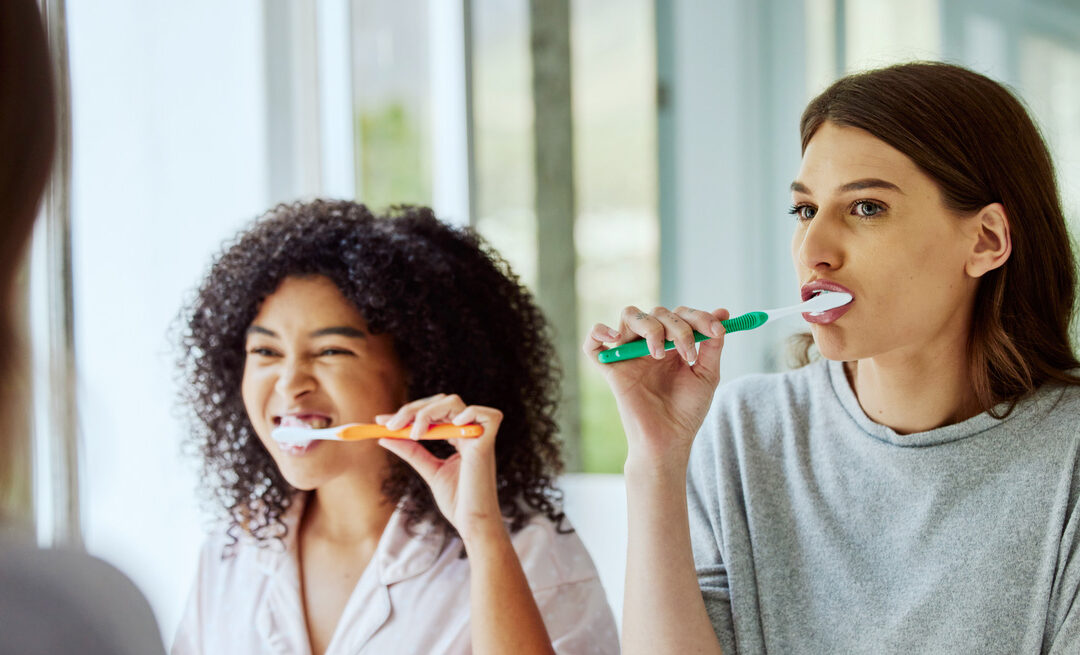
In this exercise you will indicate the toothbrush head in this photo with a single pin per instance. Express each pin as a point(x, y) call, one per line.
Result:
point(825, 300)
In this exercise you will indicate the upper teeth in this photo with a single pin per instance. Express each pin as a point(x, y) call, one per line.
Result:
point(310, 423)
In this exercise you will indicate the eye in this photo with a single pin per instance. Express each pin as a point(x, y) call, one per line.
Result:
point(328, 352)
point(262, 351)
point(803, 211)
point(867, 208)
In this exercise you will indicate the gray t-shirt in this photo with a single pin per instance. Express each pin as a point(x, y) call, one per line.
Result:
point(816, 530)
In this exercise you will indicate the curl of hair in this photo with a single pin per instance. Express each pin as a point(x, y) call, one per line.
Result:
point(460, 323)
point(977, 142)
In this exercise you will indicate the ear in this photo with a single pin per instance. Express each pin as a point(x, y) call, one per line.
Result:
point(993, 241)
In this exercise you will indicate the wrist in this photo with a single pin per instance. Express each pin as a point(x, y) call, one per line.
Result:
point(645, 456)
point(481, 532)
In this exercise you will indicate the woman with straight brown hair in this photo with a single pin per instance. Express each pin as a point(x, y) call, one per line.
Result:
point(51, 601)
point(916, 491)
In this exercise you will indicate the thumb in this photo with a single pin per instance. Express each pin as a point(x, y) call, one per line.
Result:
point(709, 351)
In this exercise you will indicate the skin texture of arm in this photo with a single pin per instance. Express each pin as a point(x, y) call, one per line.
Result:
point(662, 402)
point(663, 611)
point(504, 615)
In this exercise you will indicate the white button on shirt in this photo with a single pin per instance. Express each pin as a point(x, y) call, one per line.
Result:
point(412, 598)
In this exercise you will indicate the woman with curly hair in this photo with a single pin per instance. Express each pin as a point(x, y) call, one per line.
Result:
point(323, 314)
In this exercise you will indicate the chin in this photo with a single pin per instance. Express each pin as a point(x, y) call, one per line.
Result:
point(301, 481)
point(833, 346)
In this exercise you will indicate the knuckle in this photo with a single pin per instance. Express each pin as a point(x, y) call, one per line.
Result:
point(652, 332)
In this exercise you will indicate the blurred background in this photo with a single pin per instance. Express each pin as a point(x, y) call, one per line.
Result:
point(615, 151)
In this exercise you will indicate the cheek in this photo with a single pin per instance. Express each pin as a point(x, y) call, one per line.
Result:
point(796, 242)
point(251, 395)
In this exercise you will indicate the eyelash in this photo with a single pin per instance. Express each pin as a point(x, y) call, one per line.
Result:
point(796, 209)
point(267, 352)
point(335, 351)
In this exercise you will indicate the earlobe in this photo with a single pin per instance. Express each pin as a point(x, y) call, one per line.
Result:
point(993, 241)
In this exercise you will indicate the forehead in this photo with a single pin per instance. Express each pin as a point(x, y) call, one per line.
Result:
point(837, 155)
point(305, 302)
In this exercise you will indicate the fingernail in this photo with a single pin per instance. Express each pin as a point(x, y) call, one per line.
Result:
point(612, 334)
point(658, 353)
point(717, 328)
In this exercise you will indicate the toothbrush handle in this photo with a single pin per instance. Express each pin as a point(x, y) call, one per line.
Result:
point(640, 348)
point(438, 431)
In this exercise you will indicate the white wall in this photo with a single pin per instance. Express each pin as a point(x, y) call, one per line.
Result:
point(595, 503)
point(169, 160)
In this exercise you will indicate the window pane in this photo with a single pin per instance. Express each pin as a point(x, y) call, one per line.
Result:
point(391, 82)
point(502, 132)
point(883, 32)
point(1050, 81)
point(617, 234)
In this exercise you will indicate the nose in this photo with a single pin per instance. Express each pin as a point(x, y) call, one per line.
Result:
point(294, 379)
point(817, 244)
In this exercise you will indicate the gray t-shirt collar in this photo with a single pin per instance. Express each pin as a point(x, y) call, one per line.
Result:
point(1026, 410)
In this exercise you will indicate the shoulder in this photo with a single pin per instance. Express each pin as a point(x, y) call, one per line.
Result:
point(552, 554)
point(90, 605)
point(1052, 411)
point(1066, 400)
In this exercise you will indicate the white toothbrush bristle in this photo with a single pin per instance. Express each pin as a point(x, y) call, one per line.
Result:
point(826, 300)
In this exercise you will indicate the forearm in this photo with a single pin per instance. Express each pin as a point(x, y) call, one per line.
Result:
point(505, 618)
point(663, 611)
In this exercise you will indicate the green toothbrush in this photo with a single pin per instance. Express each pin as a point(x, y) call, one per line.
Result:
point(822, 302)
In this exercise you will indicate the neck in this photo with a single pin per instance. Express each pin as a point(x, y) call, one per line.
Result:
point(916, 392)
point(349, 509)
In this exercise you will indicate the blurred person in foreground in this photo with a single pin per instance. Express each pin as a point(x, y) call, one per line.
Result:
point(51, 601)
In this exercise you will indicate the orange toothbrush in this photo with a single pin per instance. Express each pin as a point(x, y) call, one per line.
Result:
point(357, 431)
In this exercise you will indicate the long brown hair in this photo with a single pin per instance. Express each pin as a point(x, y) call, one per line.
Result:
point(27, 138)
point(976, 140)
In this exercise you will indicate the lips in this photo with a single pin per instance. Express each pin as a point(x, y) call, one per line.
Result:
point(815, 287)
point(308, 421)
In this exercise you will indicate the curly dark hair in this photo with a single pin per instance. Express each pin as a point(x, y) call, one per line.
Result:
point(444, 297)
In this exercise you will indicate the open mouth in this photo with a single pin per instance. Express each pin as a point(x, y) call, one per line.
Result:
point(303, 422)
point(308, 421)
point(817, 287)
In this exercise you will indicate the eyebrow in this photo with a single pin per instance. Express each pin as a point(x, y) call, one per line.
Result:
point(337, 330)
point(857, 185)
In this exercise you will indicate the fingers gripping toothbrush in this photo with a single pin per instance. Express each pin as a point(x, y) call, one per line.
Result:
point(822, 302)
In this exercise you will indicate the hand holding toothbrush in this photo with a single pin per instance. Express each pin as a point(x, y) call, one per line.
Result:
point(464, 483)
point(662, 407)
point(664, 398)
point(504, 616)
